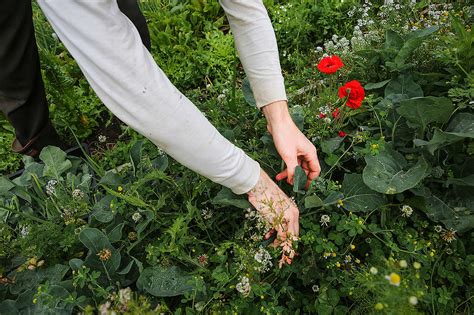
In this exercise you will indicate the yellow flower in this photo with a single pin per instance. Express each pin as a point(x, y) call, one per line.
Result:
point(119, 188)
point(394, 279)
point(338, 265)
point(378, 306)
point(333, 254)
point(353, 246)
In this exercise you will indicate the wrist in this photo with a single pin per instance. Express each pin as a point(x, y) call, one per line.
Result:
point(277, 112)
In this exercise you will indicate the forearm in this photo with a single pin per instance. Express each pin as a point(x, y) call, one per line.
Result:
point(257, 47)
point(124, 75)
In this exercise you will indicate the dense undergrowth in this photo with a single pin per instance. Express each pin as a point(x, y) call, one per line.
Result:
point(387, 227)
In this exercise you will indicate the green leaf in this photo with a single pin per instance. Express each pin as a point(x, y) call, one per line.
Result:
point(76, 263)
point(313, 201)
point(55, 162)
point(160, 163)
point(127, 269)
point(358, 197)
point(404, 85)
point(226, 197)
point(149, 216)
point(332, 144)
point(160, 281)
point(300, 180)
point(8, 307)
point(5, 185)
point(460, 127)
point(387, 172)
point(378, 85)
point(393, 40)
point(136, 155)
point(297, 115)
point(248, 94)
point(96, 241)
point(465, 181)
point(116, 234)
point(414, 40)
point(421, 111)
point(102, 212)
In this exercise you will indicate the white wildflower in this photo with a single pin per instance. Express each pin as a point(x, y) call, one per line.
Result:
point(24, 231)
point(102, 138)
point(403, 263)
point(206, 213)
point(263, 257)
point(325, 219)
point(373, 270)
point(125, 295)
point(413, 300)
point(77, 194)
point(315, 288)
point(438, 228)
point(50, 187)
point(243, 286)
point(407, 211)
point(136, 217)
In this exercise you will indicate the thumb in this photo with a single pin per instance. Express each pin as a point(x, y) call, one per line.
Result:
point(291, 164)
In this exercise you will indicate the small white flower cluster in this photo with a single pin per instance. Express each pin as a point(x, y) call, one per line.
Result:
point(77, 194)
point(315, 288)
point(102, 138)
point(222, 96)
point(24, 230)
point(50, 187)
point(125, 295)
point(325, 219)
point(263, 257)
point(206, 213)
point(68, 216)
point(406, 211)
point(260, 223)
point(243, 286)
point(136, 217)
point(336, 44)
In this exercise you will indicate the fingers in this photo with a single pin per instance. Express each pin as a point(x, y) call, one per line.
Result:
point(312, 163)
point(291, 164)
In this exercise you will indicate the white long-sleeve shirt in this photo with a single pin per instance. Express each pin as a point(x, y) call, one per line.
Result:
point(109, 51)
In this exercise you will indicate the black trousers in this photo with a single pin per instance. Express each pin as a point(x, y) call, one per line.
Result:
point(22, 94)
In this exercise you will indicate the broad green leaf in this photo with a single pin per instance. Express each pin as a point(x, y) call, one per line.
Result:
point(160, 163)
point(76, 263)
point(111, 179)
point(413, 41)
point(313, 202)
point(387, 172)
point(127, 268)
point(226, 197)
point(393, 40)
point(5, 185)
point(332, 144)
point(96, 241)
point(8, 307)
point(149, 216)
point(300, 179)
point(404, 85)
point(248, 94)
point(55, 162)
point(465, 181)
point(421, 111)
point(378, 85)
point(102, 211)
point(160, 281)
point(297, 115)
point(460, 127)
point(136, 155)
point(116, 234)
point(357, 196)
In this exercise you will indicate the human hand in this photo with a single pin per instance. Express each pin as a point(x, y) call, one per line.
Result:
point(292, 145)
point(279, 211)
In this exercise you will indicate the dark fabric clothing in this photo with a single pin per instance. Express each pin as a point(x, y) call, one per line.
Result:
point(22, 94)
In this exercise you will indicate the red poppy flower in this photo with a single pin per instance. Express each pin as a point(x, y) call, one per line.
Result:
point(356, 93)
point(330, 64)
point(335, 113)
point(342, 134)
point(321, 115)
